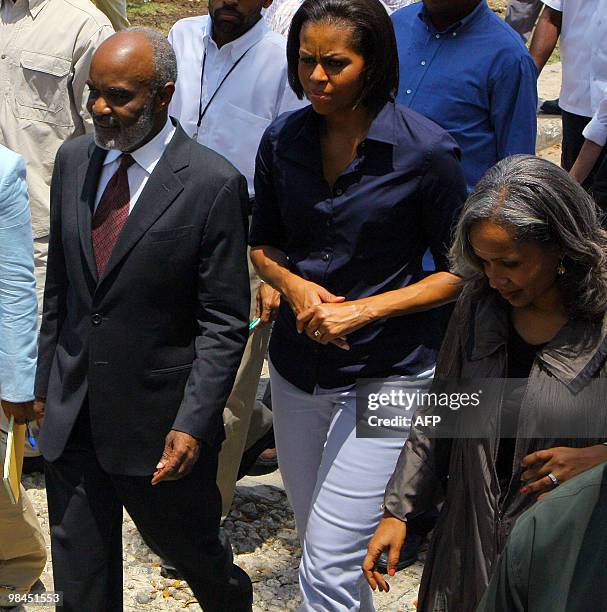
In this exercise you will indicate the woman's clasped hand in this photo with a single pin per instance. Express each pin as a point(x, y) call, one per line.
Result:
point(562, 462)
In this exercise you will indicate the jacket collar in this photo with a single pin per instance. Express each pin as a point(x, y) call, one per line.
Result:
point(573, 356)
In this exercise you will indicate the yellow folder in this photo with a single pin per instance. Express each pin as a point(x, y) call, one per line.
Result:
point(13, 461)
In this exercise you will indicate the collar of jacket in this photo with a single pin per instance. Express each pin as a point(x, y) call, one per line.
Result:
point(573, 356)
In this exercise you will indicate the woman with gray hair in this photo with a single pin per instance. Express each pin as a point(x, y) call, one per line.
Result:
point(532, 256)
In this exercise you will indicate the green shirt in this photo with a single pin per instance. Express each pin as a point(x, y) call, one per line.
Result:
point(556, 557)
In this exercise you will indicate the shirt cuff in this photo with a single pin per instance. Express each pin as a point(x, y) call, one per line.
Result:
point(596, 131)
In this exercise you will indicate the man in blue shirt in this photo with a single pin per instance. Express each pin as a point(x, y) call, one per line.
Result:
point(464, 68)
point(22, 548)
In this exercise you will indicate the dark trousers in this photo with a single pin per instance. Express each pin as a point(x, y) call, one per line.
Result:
point(179, 518)
point(573, 139)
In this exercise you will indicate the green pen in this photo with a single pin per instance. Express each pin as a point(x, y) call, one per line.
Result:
point(254, 323)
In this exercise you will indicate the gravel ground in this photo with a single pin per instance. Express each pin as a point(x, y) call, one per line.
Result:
point(265, 544)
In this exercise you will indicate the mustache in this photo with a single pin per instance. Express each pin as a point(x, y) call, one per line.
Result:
point(105, 121)
point(226, 10)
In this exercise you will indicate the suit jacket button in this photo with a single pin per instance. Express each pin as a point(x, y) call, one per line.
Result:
point(96, 319)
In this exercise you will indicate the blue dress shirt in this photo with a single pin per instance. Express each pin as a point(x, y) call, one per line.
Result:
point(475, 79)
point(18, 305)
point(367, 235)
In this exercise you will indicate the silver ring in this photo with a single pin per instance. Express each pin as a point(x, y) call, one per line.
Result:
point(317, 334)
point(554, 479)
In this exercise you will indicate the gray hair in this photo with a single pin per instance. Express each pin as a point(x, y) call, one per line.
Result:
point(163, 56)
point(538, 201)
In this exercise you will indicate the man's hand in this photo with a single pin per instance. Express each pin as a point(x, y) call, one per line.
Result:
point(268, 301)
point(23, 411)
point(180, 453)
point(389, 536)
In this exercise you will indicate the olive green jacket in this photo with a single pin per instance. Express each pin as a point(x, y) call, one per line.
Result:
point(556, 557)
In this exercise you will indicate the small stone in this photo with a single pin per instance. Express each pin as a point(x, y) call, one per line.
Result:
point(249, 509)
point(143, 597)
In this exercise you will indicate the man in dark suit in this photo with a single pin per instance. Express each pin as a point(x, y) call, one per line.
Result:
point(145, 321)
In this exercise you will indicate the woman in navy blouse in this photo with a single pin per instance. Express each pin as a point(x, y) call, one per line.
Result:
point(350, 193)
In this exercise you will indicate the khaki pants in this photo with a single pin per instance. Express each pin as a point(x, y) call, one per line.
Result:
point(22, 547)
point(115, 11)
point(244, 418)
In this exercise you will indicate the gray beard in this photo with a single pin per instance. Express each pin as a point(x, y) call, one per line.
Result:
point(129, 138)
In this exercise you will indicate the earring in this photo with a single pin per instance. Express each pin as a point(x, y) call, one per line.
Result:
point(560, 269)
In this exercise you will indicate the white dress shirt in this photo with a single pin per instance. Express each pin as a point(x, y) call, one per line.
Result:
point(250, 98)
point(583, 54)
point(146, 158)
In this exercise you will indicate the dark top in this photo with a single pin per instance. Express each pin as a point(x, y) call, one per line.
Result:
point(401, 195)
point(521, 356)
point(476, 79)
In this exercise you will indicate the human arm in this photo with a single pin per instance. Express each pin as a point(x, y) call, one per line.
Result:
point(513, 92)
point(223, 314)
point(422, 469)
point(267, 238)
point(222, 305)
point(586, 159)
point(595, 134)
point(18, 306)
point(546, 34)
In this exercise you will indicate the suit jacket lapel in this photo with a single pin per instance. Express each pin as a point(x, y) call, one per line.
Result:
point(160, 191)
point(88, 179)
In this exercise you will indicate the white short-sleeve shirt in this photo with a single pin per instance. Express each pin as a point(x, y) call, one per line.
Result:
point(583, 54)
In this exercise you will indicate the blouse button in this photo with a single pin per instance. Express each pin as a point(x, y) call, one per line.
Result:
point(339, 191)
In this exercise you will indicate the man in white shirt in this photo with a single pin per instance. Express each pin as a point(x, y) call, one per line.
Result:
point(582, 28)
point(232, 85)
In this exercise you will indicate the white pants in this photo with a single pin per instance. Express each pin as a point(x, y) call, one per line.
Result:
point(335, 483)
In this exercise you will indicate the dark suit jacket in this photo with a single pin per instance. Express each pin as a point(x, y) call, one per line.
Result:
point(156, 341)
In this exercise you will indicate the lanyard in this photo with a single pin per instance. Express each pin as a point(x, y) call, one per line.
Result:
point(203, 111)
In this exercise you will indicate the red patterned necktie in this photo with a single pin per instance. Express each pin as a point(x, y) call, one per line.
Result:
point(111, 214)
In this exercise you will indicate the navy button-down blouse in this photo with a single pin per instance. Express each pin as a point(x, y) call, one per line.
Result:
point(400, 196)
